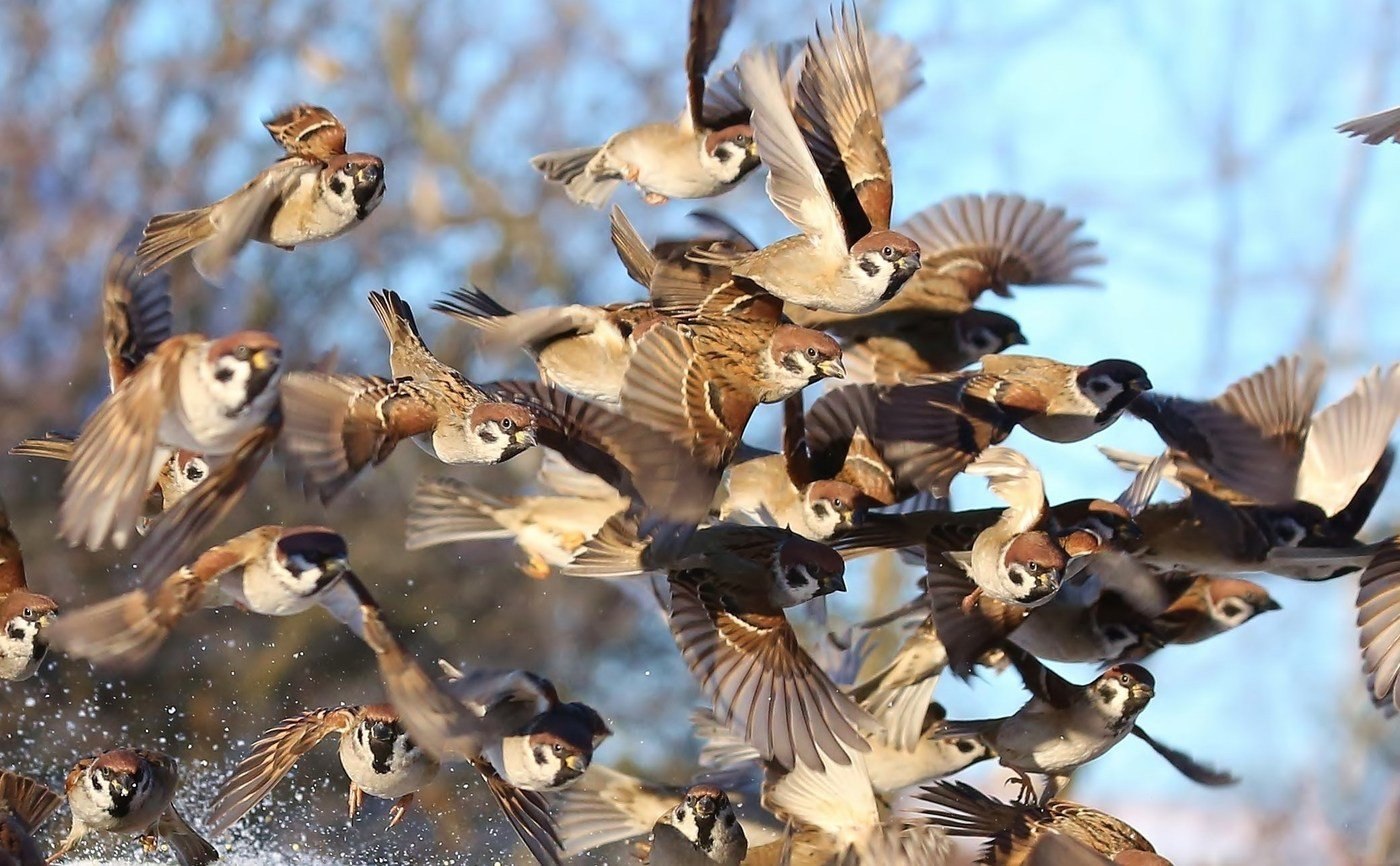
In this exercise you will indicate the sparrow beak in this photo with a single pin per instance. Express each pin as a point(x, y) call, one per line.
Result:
point(1017, 339)
point(1144, 691)
point(705, 806)
point(335, 567)
point(837, 583)
point(832, 368)
point(265, 359)
point(576, 764)
point(1268, 604)
point(1140, 384)
point(524, 437)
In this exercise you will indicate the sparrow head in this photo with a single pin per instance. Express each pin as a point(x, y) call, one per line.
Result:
point(243, 366)
point(805, 570)
point(558, 758)
point(1111, 522)
point(181, 474)
point(381, 735)
point(707, 820)
point(313, 557)
point(730, 153)
point(1123, 690)
point(887, 256)
point(1294, 524)
point(1034, 563)
point(23, 616)
point(1234, 601)
point(504, 429)
point(355, 181)
point(1111, 385)
point(983, 332)
point(799, 356)
point(831, 506)
point(120, 781)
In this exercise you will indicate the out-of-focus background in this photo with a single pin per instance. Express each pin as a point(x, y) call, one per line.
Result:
point(1194, 138)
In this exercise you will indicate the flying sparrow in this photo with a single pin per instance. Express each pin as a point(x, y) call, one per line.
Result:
point(216, 397)
point(25, 616)
point(742, 650)
point(708, 150)
point(702, 830)
point(314, 193)
point(1056, 401)
point(607, 806)
point(1375, 128)
point(846, 259)
point(968, 245)
point(380, 759)
point(511, 726)
point(336, 425)
point(24, 805)
point(1014, 830)
point(584, 350)
point(131, 792)
point(136, 319)
point(1065, 726)
point(271, 570)
point(549, 530)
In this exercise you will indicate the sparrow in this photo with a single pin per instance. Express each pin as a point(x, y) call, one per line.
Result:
point(271, 570)
point(1056, 401)
point(25, 616)
point(968, 245)
point(1375, 128)
point(511, 726)
point(701, 381)
point(582, 349)
point(744, 653)
point(131, 792)
point(549, 530)
point(378, 756)
point(314, 193)
point(136, 318)
point(1064, 726)
point(702, 830)
point(705, 152)
point(336, 425)
point(607, 806)
point(1260, 443)
point(24, 806)
point(1014, 830)
point(1205, 606)
point(219, 398)
point(835, 818)
point(834, 183)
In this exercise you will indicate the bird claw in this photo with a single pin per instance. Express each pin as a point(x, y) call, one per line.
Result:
point(1027, 795)
point(149, 844)
point(400, 809)
point(535, 567)
point(969, 603)
point(654, 198)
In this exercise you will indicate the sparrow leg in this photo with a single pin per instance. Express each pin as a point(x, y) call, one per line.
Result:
point(357, 799)
point(1027, 794)
point(149, 843)
point(654, 198)
point(1053, 786)
point(67, 844)
point(535, 567)
point(631, 173)
point(971, 600)
point(572, 540)
point(400, 809)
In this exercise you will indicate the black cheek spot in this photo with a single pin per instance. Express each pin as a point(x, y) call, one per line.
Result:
point(964, 746)
point(1017, 578)
point(224, 375)
point(337, 185)
point(15, 632)
point(1105, 694)
point(869, 266)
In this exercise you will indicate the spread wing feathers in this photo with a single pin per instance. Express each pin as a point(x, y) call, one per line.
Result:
point(849, 436)
point(607, 806)
point(440, 724)
point(191, 849)
point(337, 425)
point(708, 21)
point(1378, 621)
point(174, 537)
point(837, 798)
point(761, 681)
point(26, 799)
point(636, 256)
point(670, 387)
point(1185, 764)
point(706, 293)
point(11, 556)
point(928, 436)
point(1374, 128)
point(721, 750)
point(725, 103)
point(271, 758)
point(528, 813)
point(124, 633)
point(136, 315)
point(115, 459)
point(1346, 440)
point(308, 131)
point(962, 810)
point(1012, 478)
point(445, 510)
point(966, 635)
point(894, 68)
point(615, 551)
point(54, 446)
point(1144, 484)
point(795, 183)
point(476, 308)
point(902, 712)
point(838, 110)
point(636, 458)
point(992, 242)
point(1250, 438)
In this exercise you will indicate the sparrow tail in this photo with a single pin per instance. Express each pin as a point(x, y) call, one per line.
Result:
point(55, 446)
point(445, 510)
point(170, 235)
point(585, 183)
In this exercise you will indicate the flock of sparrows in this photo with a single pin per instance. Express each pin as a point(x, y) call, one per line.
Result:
point(815, 752)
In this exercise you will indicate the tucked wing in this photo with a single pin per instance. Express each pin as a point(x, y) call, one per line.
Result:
point(708, 21)
point(308, 131)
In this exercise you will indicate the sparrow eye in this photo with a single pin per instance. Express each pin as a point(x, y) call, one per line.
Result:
point(509, 425)
point(242, 353)
point(811, 352)
point(743, 140)
point(888, 252)
point(558, 749)
point(1125, 679)
point(838, 504)
point(1033, 567)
